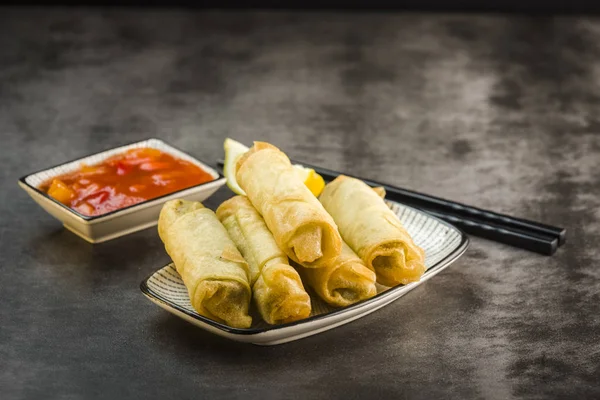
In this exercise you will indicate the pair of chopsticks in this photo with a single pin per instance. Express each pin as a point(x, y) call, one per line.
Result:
point(517, 232)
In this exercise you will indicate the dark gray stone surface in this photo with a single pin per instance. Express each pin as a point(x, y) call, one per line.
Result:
point(501, 112)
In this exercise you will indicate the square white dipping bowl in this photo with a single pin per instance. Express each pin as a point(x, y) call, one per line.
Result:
point(120, 222)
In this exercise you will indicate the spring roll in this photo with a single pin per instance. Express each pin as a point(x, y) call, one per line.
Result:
point(300, 225)
point(373, 231)
point(213, 270)
point(276, 286)
point(343, 282)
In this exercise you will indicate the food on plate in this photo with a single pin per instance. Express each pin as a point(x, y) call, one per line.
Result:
point(373, 231)
point(213, 270)
point(123, 180)
point(380, 190)
point(313, 181)
point(345, 281)
point(276, 286)
point(234, 151)
point(341, 245)
point(301, 226)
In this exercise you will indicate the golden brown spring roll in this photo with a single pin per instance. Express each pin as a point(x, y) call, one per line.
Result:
point(277, 288)
point(213, 270)
point(373, 231)
point(300, 225)
point(344, 282)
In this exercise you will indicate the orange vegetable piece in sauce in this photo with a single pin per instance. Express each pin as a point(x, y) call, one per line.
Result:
point(60, 191)
point(123, 180)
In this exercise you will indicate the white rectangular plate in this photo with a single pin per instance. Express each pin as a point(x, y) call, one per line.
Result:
point(442, 243)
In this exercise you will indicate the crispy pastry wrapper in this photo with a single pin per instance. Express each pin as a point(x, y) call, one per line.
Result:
point(345, 281)
point(215, 273)
point(277, 288)
point(299, 223)
point(373, 231)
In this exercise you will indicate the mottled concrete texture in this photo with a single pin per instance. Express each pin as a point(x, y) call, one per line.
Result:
point(501, 112)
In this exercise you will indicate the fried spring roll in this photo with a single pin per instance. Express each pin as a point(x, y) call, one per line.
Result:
point(213, 270)
point(373, 231)
point(300, 225)
point(277, 288)
point(344, 282)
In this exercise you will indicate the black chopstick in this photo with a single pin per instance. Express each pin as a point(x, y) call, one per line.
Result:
point(517, 232)
point(425, 201)
point(532, 241)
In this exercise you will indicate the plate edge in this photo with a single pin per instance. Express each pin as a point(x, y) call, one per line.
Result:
point(442, 264)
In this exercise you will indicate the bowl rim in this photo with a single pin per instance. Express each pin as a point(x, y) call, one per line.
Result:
point(114, 213)
point(449, 259)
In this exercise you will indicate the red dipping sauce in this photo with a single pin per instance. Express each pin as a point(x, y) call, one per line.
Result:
point(123, 180)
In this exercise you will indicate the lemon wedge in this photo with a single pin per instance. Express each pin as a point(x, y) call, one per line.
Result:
point(234, 150)
point(313, 181)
